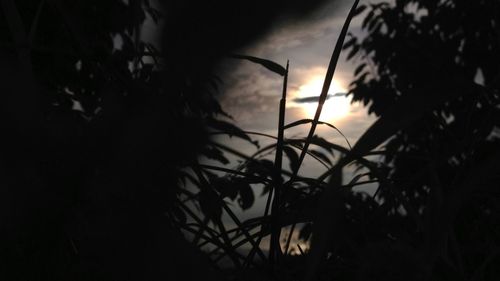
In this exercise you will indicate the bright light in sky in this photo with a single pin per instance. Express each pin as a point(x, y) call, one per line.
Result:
point(335, 108)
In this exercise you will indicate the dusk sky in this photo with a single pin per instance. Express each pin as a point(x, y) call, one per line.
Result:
point(251, 93)
point(151, 140)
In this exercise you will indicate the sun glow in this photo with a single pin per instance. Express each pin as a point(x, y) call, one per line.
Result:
point(336, 107)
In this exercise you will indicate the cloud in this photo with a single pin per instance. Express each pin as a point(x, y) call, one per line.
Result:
point(251, 93)
point(313, 99)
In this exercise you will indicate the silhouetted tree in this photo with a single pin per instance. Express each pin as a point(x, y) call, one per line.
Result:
point(97, 124)
point(431, 71)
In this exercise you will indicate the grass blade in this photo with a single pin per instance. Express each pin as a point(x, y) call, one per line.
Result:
point(228, 210)
point(274, 247)
point(318, 246)
point(271, 65)
point(328, 80)
point(306, 121)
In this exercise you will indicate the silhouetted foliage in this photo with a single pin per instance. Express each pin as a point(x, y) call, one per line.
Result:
point(102, 131)
point(98, 124)
point(431, 70)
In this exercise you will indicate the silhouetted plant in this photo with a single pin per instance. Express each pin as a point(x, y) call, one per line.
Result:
point(97, 125)
point(430, 70)
point(419, 70)
point(102, 127)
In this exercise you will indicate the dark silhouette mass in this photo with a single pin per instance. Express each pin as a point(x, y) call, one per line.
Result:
point(103, 122)
point(431, 70)
point(97, 124)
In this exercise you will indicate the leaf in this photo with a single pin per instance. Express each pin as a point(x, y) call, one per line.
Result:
point(372, 23)
point(363, 77)
point(321, 156)
point(305, 121)
point(210, 205)
point(263, 168)
point(215, 154)
point(247, 197)
point(368, 18)
point(359, 69)
point(271, 65)
point(353, 52)
point(244, 177)
point(411, 107)
point(225, 187)
point(319, 246)
point(349, 43)
point(359, 10)
point(356, 178)
point(323, 143)
point(292, 156)
point(228, 128)
point(336, 179)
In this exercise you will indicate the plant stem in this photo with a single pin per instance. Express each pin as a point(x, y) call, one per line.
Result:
point(274, 247)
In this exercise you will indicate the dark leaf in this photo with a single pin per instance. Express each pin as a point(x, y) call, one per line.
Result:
point(265, 190)
point(409, 109)
point(215, 154)
point(247, 197)
point(350, 43)
point(293, 157)
point(353, 52)
point(305, 232)
point(372, 23)
point(368, 18)
point(226, 187)
point(359, 10)
point(274, 67)
point(305, 121)
point(210, 204)
point(228, 128)
point(263, 168)
point(322, 234)
point(359, 69)
point(323, 143)
point(321, 156)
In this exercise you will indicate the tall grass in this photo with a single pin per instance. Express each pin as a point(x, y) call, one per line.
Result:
point(291, 198)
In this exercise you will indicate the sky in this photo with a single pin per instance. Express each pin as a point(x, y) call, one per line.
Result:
point(251, 93)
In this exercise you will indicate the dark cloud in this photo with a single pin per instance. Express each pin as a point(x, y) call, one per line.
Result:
point(316, 98)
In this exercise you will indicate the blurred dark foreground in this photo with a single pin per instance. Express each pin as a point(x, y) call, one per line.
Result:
point(96, 126)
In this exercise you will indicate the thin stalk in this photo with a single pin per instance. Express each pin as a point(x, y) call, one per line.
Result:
point(197, 237)
point(274, 246)
point(259, 239)
point(300, 249)
point(237, 231)
point(214, 242)
point(326, 85)
point(199, 221)
point(235, 172)
point(289, 238)
point(319, 238)
point(227, 241)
